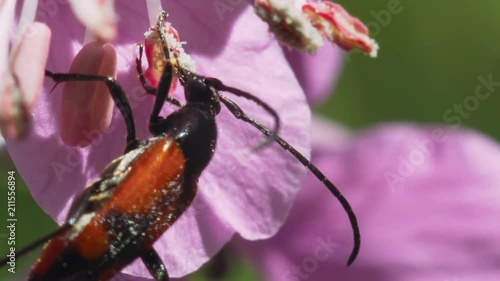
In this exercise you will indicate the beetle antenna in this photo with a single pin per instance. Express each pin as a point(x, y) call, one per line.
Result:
point(271, 135)
point(240, 114)
point(218, 85)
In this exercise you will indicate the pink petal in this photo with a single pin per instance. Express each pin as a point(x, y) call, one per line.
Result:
point(317, 74)
point(440, 222)
point(126, 277)
point(21, 84)
point(6, 19)
point(87, 107)
point(14, 119)
point(241, 191)
point(328, 135)
point(29, 60)
point(98, 16)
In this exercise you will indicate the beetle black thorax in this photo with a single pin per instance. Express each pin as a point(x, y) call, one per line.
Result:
point(199, 93)
point(193, 126)
point(194, 129)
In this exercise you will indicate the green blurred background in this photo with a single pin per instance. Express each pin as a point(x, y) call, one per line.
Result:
point(432, 53)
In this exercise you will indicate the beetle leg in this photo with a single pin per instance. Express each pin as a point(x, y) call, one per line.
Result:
point(155, 265)
point(163, 86)
point(148, 88)
point(138, 66)
point(117, 94)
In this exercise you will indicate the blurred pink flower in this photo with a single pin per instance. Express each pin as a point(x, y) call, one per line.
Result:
point(241, 191)
point(22, 62)
point(427, 199)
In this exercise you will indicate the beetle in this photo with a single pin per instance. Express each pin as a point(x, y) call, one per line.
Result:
point(141, 194)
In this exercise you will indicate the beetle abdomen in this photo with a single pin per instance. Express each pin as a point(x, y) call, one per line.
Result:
point(149, 197)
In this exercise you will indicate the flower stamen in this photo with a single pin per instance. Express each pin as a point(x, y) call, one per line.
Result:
point(302, 23)
point(156, 58)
